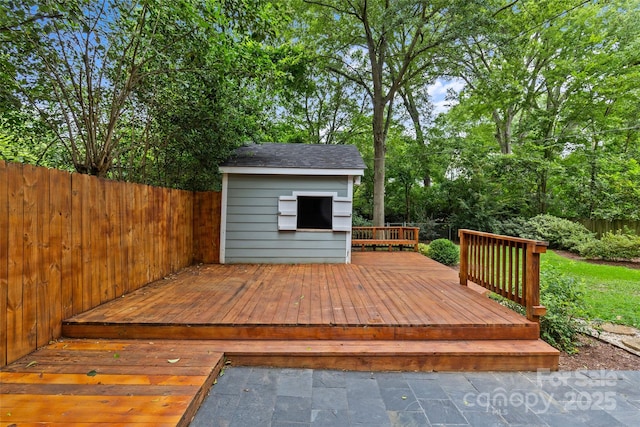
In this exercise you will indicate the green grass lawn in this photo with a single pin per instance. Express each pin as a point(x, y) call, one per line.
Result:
point(611, 293)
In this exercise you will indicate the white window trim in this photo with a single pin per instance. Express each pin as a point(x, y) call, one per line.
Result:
point(288, 211)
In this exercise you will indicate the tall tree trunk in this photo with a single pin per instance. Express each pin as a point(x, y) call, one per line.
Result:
point(503, 129)
point(379, 150)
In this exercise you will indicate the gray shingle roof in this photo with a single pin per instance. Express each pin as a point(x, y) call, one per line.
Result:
point(301, 156)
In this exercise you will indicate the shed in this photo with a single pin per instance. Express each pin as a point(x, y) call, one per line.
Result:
point(288, 203)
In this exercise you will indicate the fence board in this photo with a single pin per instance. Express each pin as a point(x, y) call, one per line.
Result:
point(115, 248)
point(138, 248)
point(127, 260)
point(43, 307)
point(4, 257)
point(163, 244)
point(77, 288)
point(184, 239)
point(30, 255)
point(87, 283)
point(15, 192)
point(172, 226)
point(66, 240)
point(100, 239)
point(60, 298)
point(156, 243)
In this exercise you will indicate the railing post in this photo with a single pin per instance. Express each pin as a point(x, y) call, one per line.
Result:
point(464, 257)
point(532, 282)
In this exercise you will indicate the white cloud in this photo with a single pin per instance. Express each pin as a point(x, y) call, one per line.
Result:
point(438, 93)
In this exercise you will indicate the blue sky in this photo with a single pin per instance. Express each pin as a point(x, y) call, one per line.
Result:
point(438, 93)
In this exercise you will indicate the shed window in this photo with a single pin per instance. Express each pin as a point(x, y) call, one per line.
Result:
point(315, 212)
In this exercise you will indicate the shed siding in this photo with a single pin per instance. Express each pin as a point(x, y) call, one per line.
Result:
point(252, 234)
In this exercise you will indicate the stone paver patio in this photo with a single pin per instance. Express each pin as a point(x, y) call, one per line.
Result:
point(305, 397)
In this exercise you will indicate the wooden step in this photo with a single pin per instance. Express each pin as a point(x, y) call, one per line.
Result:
point(106, 330)
point(163, 382)
point(433, 355)
point(97, 383)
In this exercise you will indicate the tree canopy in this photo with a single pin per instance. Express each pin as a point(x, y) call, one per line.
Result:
point(544, 117)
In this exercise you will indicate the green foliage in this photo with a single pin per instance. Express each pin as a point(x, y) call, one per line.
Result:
point(360, 221)
point(444, 251)
point(621, 245)
point(563, 298)
point(151, 92)
point(559, 232)
point(423, 248)
point(517, 227)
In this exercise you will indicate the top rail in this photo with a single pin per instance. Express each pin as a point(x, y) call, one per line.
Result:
point(386, 235)
point(508, 266)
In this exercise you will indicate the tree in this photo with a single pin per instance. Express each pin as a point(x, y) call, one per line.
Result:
point(127, 86)
point(382, 45)
point(550, 99)
point(79, 73)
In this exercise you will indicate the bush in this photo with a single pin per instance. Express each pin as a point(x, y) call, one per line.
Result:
point(562, 297)
point(444, 251)
point(559, 232)
point(618, 246)
point(423, 248)
point(360, 221)
point(517, 227)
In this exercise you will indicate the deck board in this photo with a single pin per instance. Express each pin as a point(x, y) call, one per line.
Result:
point(386, 290)
point(121, 382)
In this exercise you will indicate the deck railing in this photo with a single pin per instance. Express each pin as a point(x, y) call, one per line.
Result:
point(385, 236)
point(508, 266)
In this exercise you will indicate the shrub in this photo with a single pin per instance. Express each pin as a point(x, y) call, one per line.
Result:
point(562, 297)
point(444, 251)
point(559, 232)
point(360, 221)
point(423, 248)
point(517, 227)
point(621, 245)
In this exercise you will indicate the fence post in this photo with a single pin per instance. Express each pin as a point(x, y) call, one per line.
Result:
point(464, 257)
point(532, 282)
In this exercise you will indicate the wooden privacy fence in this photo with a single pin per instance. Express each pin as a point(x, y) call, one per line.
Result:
point(508, 266)
point(70, 242)
point(385, 236)
point(602, 226)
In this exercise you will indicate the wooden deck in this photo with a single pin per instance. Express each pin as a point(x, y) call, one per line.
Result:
point(382, 296)
point(82, 382)
point(386, 311)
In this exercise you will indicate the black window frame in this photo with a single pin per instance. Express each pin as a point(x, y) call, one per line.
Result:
point(314, 212)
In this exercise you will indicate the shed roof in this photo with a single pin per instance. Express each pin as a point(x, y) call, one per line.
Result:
point(296, 156)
